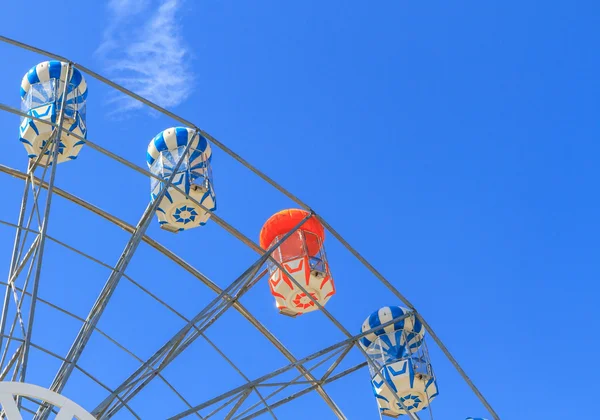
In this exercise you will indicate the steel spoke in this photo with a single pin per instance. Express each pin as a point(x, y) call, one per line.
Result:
point(98, 309)
point(188, 333)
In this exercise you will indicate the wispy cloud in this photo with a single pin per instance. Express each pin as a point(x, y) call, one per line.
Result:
point(144, 50)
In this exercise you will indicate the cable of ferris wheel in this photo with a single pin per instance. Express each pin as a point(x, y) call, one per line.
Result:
point(179, 261)
point(274, 184)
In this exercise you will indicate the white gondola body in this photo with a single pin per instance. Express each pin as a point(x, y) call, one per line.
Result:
point(414, 389)
point(400, 368)
point(42, 95)
point(177, 212)
point(315, 278)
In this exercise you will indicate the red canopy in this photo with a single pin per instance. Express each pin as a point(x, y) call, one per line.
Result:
point(284, 221)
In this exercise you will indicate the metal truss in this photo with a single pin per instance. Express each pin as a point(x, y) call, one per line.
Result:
point(179, 261)
point(35, 253)
point(144, 290)
point(97, 310)
point(340, 349)
point(257, 249)
point(224, 298)
point(79, 368)
point(188, 334)
point(13, 359)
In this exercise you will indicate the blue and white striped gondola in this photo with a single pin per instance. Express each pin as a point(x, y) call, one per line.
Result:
point(176, 212)
point(401, 370)
point(41, 95)
point(414, 389)
point(396, 340)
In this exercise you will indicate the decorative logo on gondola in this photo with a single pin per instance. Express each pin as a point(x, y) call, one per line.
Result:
point(303, 301)
point(411, 402)
point(61, 147)
point(185, 214)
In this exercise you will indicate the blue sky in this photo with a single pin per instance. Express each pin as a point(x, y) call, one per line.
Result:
point(453, 143)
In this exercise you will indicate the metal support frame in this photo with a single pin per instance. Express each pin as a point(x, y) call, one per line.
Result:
point(333, 319)
point(188, 334)
point(179, 261)
point(99, 331)
point(286, 193)
point(79, 368)
point(340, 347)
point(237, 369)
point(337, 323)
point(97, 310)
point(13, 261)
point(238, 404)
point(44, 228)
point(295, 381)
point(305, 391)
point(144, 290)
point(36, 250)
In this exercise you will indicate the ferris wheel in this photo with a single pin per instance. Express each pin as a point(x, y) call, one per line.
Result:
point(59, 360)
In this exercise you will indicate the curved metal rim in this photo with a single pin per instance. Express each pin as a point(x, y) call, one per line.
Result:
point(288, 194)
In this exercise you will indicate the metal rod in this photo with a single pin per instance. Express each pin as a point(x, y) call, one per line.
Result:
point(307, 390)
point(18, 316)
point(13, 261)
point(290, 366)
point(295, 381)
point(101, 332)
point(273, 184)
point(336, 363)
point(11, 362)
point(237, 369)
point(79, 368)
point(40, 254)
point(238, 404)
point(97, 310)
point(173, 346)
point(222, 406)
point(338, 324)
point(186, 266)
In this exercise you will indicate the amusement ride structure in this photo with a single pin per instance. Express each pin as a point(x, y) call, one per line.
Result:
point(292, 259)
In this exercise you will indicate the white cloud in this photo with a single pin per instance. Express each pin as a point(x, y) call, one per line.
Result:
point(122, 8)
point(144, 51)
